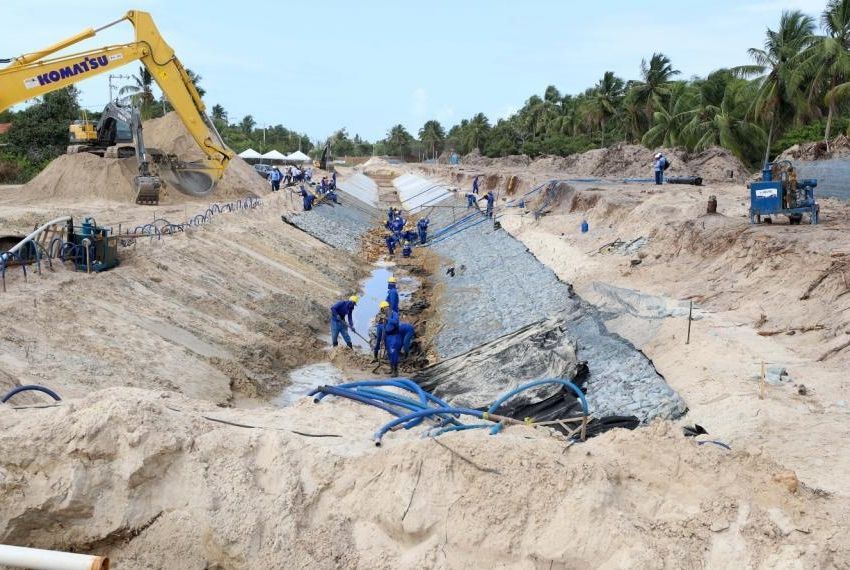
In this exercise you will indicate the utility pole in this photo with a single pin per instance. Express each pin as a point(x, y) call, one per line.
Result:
point(111, 77)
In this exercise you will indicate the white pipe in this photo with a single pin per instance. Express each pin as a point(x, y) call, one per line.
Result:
point(37, 559)
point(36, 233)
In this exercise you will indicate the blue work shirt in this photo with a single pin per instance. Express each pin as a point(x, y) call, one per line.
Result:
point(392, 296)
point(392, 326)
point(342, 310)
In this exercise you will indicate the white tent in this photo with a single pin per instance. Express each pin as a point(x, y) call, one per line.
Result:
point(298, 156)
point(250, 154)
point(274, 155)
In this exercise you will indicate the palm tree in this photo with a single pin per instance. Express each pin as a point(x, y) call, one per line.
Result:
point(432, 134)
point(606, 99)
point(670, 118)
point(654, 86)
point(219, 114)
point(725, 123)
point(827, 68)
point(398, 140)
point(142, 92)
point(196, 79)
point(477, 131)
point(247, 124)
point(778, 67)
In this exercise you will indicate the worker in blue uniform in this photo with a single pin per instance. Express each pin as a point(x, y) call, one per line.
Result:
point(392, 339)
point(471, 201)
point(380, 325)
point(408, 332)
point(397, 224)
point(490, 200)
point(340, 311)
point(307, 198)
point(392, 294)
point(422, 227)
point(409, 235)
point(391, 243)
point(407, 250)
point(475, 184)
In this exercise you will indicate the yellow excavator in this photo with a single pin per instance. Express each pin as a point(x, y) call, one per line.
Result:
point(34, 74)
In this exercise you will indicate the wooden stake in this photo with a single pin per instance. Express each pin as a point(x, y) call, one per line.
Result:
point(690, 318)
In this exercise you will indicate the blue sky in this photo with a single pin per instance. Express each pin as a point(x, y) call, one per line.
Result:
point(315, 67)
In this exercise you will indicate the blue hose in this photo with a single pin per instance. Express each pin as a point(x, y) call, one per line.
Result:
point(462, 427)
point(391, 398)
point(505, 397)
point(351, 395)
point(424, 414)
point(402, 383)
point(28, 387)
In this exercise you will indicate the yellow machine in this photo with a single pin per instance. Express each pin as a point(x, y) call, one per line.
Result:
point(82, 131)
point(33, 74)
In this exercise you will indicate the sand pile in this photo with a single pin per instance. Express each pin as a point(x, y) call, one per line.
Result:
point(86, 176)
point(143, 477)
point(378, 166)
point(626, 161)
point(839, 147)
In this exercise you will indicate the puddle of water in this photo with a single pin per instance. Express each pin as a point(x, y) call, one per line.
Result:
point(307, 378)
point(373, 290)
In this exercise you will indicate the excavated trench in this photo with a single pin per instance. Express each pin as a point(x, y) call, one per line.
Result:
point(489, 314)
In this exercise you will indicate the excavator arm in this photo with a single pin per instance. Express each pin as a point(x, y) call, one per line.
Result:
point(34, 74)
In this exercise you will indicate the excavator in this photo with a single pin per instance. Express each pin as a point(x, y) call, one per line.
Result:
point(34, 74)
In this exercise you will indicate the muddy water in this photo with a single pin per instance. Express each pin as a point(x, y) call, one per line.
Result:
point(305, 379)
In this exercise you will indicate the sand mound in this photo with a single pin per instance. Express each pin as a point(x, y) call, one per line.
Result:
point(143, 477)
point(626, 161)
point(86, 176)
point(378, 166)
point(839, 147)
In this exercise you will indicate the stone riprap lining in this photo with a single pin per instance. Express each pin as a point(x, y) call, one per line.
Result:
point(499, 287)
point(338, 225)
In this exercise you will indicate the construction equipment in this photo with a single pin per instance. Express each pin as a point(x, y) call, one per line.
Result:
point(33, 74)
point(113, 128)
point(780, 193)
point(91, 247)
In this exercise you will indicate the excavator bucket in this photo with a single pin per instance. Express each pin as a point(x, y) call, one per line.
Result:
point(194, 181)
point(147, 190)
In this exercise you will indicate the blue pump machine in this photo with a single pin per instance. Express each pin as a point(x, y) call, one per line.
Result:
point(102, 247)
point(780, 193)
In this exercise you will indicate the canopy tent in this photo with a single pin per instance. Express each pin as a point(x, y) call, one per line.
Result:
point(298, 156)
point(250, 154)
point(274, 155)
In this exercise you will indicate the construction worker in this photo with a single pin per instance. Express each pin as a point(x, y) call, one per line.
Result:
point(391, 243)
point(340, 311)
point(275, 177)
point(471, 201)
point(658, 166)
point(380, 324)
point(407, 335)
point(392, 294)
point(475, 184)
point(333, 181)
point(490, 199)
point(397, 224)
point(409, 235)
point(307, 197)
point(422, 227)
point(407, 250)
point(392, 338)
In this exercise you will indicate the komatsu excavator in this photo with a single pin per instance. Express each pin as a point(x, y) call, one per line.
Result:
point(34, 74)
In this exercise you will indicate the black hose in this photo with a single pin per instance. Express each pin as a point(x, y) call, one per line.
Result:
point(30, 387)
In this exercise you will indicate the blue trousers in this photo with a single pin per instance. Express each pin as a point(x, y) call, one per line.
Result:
point(339, 328)
point(423, 236)
point(406, 341)
point(659, 176)
point(394, 343)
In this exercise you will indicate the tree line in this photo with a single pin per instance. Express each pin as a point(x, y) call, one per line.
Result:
point(796, 88)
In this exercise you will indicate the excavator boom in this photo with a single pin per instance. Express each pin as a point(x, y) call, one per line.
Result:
point(34, 74)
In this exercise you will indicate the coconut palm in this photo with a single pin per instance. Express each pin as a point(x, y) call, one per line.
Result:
point(476, 131)
point(605, 100)
point(654, 86)
point(432, 135)
point(777, 69)
point(827, 67)
point(141, 93)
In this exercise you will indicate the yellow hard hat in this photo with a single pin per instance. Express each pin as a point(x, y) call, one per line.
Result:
point(384, 305)
point(391, 280)
point(354, 298)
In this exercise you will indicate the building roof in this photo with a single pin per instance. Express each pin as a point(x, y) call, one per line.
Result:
point(4, 127)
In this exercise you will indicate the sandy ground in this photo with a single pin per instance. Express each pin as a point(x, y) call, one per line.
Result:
point(153, 355)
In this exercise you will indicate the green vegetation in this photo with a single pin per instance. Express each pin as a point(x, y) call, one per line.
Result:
point(795, 90)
